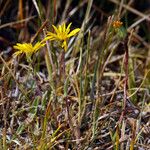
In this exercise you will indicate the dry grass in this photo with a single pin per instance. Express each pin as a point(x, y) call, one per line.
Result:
point(94, 96)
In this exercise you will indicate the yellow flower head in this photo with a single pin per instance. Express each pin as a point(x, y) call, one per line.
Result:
point(62, 33)
point(27, 48)
point(117, 24)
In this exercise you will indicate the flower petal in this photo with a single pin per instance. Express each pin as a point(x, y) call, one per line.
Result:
point(64, 45)
point(56, 30)
point(50, 38)
point(17, 53)
point(52, 35)
point(17, 46)
point(37, 46)
point(72, 33)
point(64, 27)
point(68, 28)
point(60, 29)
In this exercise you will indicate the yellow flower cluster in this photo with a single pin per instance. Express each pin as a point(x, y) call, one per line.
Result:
point(62, 34)
point(27, 48)
point(117, 24)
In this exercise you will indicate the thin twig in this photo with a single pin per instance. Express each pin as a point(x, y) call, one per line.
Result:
point(11, 24)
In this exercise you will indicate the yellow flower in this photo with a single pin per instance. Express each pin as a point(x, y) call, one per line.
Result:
point(117, 24)
point(62, 33)
point(27, 48)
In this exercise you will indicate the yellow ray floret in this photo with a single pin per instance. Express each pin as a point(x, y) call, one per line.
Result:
point(62, 33)
point(27, 48)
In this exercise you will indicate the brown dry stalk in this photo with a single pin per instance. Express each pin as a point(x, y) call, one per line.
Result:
point(40, 30)
point(138, 13)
